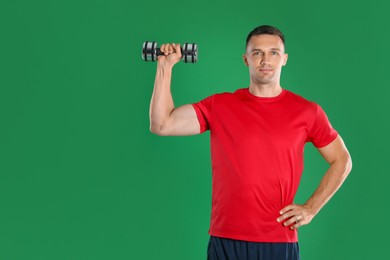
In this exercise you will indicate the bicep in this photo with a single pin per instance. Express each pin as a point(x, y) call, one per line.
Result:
point(182, 121)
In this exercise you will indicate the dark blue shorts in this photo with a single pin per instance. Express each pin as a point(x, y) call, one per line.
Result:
point(230, 249)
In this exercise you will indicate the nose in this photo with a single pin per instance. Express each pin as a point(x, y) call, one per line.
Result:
point(265, 59)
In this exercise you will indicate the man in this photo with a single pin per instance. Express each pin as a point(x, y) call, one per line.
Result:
point(257, 137)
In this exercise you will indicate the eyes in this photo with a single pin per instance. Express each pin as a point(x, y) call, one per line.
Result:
point(259, 53)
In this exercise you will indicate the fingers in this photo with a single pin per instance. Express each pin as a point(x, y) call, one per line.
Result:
point(287, 208)
point(164, 49)
point(291, 217)
point(292, 220)
point(171, 54)
point(297, 225)
point(295, 215)
point(177, 48)
point(169, 48)
point(287, 212)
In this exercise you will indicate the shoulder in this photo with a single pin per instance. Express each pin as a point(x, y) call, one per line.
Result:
point(216, 98)
point(236, 92)
point(299, 100)
point(229, 95)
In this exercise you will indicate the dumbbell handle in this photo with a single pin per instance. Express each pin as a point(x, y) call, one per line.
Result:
point(160, 53)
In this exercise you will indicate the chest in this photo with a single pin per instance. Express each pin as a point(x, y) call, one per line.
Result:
point(265, 125)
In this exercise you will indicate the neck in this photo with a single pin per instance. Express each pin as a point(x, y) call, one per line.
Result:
point(265, 90)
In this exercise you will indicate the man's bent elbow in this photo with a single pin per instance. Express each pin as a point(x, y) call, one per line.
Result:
point(346, 162)
point(349, 163)
point(158, 130)
point(154, 129)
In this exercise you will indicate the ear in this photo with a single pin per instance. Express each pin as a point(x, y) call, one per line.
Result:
point(245, 60)
point(285, 58)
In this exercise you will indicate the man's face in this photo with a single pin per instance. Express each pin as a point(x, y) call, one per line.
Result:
point(265, 57)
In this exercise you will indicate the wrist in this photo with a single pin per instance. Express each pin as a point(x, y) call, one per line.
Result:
point(164, 65)
point(311, 208)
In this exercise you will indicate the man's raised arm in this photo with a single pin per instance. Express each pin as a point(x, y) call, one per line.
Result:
point(165, 119)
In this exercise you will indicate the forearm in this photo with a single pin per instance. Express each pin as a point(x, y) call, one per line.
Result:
point(161, 104)
point(330, 183)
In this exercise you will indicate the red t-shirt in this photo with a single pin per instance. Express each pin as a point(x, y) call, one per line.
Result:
point(257, 146)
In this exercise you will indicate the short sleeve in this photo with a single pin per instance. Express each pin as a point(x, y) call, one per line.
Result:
point(203, 110)
point(321, 133)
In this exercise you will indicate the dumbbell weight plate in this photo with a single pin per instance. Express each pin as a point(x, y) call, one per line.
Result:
point(189, 52)
point(149, 51)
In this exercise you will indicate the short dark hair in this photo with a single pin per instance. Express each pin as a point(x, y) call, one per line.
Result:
point(264, 29)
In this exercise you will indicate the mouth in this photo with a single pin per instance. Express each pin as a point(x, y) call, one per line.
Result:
point(265, 69)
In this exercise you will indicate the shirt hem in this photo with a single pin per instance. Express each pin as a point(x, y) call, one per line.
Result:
point(256, 239)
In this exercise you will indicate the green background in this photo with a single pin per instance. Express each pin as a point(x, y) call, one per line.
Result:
point(81, 176)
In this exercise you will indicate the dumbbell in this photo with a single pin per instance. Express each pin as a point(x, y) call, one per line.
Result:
point(189, 52)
